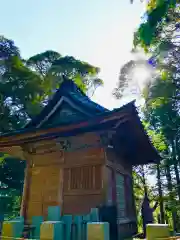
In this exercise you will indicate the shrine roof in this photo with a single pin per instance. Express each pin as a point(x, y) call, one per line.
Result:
point(71, 129)
point(123, 121)
point(68, 91)
point(71, 93)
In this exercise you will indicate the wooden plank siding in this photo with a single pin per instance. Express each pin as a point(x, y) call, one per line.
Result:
point(45, 190)
point(70, 179)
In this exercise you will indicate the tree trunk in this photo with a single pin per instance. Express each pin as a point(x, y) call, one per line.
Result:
point(177, 179)
point(177, 151)
point(172, 202)
point(162, 216)
point(175, 164)
point(144, 180)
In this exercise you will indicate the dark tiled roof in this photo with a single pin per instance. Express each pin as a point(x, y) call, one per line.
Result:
point(69, 90)
point(130, 107)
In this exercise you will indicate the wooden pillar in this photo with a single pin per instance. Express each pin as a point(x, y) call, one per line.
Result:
point(26, 188)
point(105, 180)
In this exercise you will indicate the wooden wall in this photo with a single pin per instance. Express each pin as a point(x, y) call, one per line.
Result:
point(83, 171)
point(117, 166)
point(121, 165)
point(70, 178)
point(45, 187)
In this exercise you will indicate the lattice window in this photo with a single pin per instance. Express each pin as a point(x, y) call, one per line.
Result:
point(86, 177)
point(120, 195)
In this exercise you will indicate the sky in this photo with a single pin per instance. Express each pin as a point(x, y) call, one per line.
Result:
point(97, 31)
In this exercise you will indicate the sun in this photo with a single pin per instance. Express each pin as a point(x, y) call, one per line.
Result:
point(141, 75)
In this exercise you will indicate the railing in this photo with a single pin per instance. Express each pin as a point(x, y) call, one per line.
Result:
point(74, 232)
point(169, 238)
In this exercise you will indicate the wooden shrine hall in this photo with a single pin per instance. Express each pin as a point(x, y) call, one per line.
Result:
point(79, 155)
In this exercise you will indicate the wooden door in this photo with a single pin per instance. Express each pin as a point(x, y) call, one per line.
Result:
point(44, 190)
point(51, 195)
point(35, 193)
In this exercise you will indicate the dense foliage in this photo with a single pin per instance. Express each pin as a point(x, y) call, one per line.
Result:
point(159, 16)
point(25, 87)
point(158, 36)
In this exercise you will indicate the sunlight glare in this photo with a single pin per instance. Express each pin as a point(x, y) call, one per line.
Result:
point(141, 75)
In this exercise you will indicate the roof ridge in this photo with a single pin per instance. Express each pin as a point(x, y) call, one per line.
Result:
point(68, 88)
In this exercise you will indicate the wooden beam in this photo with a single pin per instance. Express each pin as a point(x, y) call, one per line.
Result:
point(14, 151)
point(22, 136)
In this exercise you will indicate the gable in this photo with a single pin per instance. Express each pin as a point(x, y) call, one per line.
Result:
point(64, 114)
point(79, 106)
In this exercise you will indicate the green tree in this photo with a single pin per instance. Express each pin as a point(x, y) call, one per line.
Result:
point(158, 36)
point(160, 15)
point(25, 87)
point(161, 112)
point(51, 66)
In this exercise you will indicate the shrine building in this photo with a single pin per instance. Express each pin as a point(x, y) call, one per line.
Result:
point(80, 155)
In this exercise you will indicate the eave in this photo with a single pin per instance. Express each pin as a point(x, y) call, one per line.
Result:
point(25, 135)
point(105, 122)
